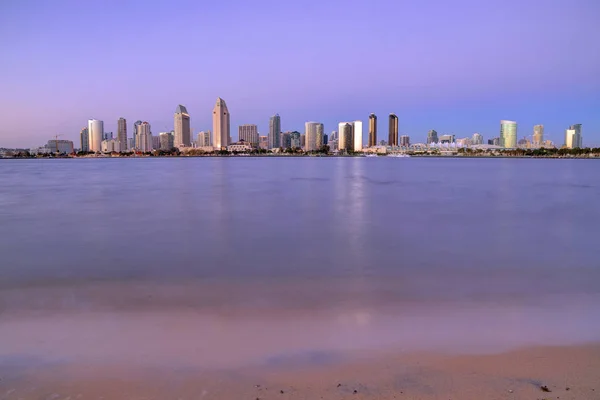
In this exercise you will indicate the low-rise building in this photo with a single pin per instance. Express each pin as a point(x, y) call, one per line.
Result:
point(241, 146)
point(61, 146)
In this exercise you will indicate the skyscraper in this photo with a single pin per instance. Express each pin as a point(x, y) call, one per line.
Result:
point(432, 137)
point(221, 130)
point(393, 130)
point(275, 132)
point(85, 139)
point(249, 134)
point(182, 127)
point(573, 137)
point(477, 139)
point(508, 134)
point(136, 129)
point(372, 130)
point(286, 140)
point(122, 133)
point(167, 141)
point(314, 136)
point(404, 140)
point(144, 138)
point(358, 135)
point(346, 141)
point(95, 132)
point(538, 135)
point(295, 139)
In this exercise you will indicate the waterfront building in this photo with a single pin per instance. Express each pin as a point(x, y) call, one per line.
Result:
point(61, 146)
point(240, 146)
point(286, 140)
point(204, 139)
point(303, 140)
point(346, 141)
point(404, 141)
point(107, 136)
point(122, 133)
point(573, 137)
point(383, 143)
point(464, 142)
point(167, 141)
point(95, 133)
point(155, 142)
point(358, 135)
point(249, 134)
point(432, 137)
point(144, 138)
point(393, 130)
point(372, 130)
point(131, 143)
point(221, 125)
point(275, 132)
point(263, 142)
point(447, 139)
point(183, 136)
point(85, 139)
point(295, 140)
point(538, 135)
point(314, 136)
point(477, 139)
point(111, 146)
point(508, 134)
point(136, 128)
point(333, 144)
point(325, 139)
point(494, 141)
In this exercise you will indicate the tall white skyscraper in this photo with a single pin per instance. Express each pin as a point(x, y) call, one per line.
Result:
point(95, 133)
point(221, 125)
point(314, 136)
point(508, 134)
point(573, 137)
point(183, 136)
point(538, 135)
point(358, 135)
point(144, 138)
point(275, 132)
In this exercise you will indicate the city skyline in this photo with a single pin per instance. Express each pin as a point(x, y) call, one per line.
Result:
point(430, 69)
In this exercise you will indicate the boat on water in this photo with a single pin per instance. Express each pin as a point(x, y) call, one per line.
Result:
point(371, 155)
point(399, 155)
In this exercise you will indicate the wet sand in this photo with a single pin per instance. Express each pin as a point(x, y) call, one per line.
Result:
point(568, 372)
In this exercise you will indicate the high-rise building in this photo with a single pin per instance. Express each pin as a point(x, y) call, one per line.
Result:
point(204, 139)
point(183, 136)
point(325, 139)
point(494, 141)
point(85, 139)
point(372, 130)
point(573, 137)
point(249, 134)
point(155, 142)
point(508, 134)
point(122, 133)
point(404, 141)
point(295, 140)
point(477, 139)
point(136, 128)
point(346, 141)
point(358, 135)
point(221, 125)
point(393, 131)
point(286, 140)
point(303, 140)
point(314, 136)
point(432, 137)
point(275, 132)
point(538, 135)
point(167, 141)
point(263, 142)
point(447, 139)
point(95, 132)
point(144, 138)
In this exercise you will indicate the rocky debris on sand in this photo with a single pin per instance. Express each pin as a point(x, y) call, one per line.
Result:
point(544, 388)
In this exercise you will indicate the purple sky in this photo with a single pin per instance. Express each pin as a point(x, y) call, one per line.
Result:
point(455, 66)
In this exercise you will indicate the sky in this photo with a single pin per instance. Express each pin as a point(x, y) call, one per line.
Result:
point(456, 66)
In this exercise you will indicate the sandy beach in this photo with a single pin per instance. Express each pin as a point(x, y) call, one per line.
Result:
point(566, 372)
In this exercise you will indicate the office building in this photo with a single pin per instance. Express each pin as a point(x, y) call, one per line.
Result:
point(183, 136)
point(131, 143)
point(155, 142)
point(122, 133)
point(263, 142)
point(313, 136)
point(167, 141)
point(111, 146)
point(303, 140)
point(221, 125)
point(432, 137)
point(393, 131)
point(573, 137)
point(61, 146)
point(508, 134)
point(404, 141)
point(494, 141)
point(286, 140)
point(477, 139)
point(241, 146)
point(346, 141)
point(295, 140)
point(538, 135)
point(95, 132)
point(447, 139)
point(136, 128)
point(204, 139)
point(372, 130)
point(85, 140)
point(107, 136)
point(358, 135)
point(274, 132)
point(144, 138)
point(325, 139)
point(249, 134)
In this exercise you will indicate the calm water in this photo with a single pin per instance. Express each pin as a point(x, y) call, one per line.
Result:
point(254, 260)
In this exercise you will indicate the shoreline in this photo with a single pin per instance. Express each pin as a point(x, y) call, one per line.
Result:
point(568, 372)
